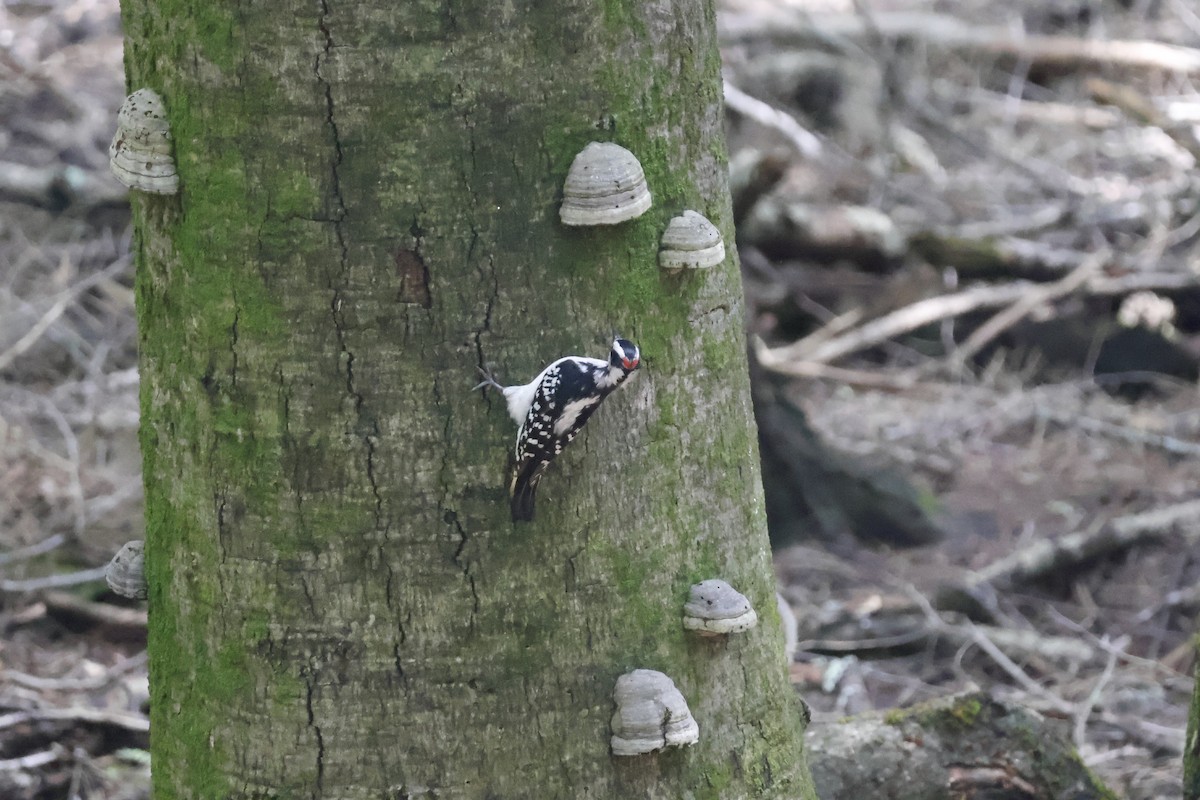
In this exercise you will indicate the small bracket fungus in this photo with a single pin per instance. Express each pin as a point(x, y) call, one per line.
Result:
point(604, 186)
point(691, 241)
point(651, 714)
point(140, 153)
point(715, 608)
point(126, 573)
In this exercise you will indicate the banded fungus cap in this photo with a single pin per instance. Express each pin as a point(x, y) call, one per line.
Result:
point(651, 714)
point(605, 186)
point(126, 572)
point(714, 608)
point(691, 241)
point(140, 153)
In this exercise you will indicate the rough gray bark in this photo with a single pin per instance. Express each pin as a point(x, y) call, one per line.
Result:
point(339, 604)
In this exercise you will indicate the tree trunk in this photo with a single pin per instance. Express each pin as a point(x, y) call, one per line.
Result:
point(340, 605)
point(1191, 751)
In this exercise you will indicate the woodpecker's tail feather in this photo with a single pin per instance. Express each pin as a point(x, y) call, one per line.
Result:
point(524, 491)
point(523, 502)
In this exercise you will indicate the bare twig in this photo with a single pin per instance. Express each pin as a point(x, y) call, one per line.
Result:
point(1124, 433)
point(901, 321)
point(135, 723)
point(53, 581)
point(805, 142)
point(33, 550)
point(64, 301)
point(130, 621)
point(980, 640)
point(32, 761)
point(1093, 699)
point(1030, 301)
point(934, 31)
point(110, 675)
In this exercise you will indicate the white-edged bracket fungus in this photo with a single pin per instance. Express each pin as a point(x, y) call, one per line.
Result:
point(126, 572)
point(140, 154)
point(651, 714)
point(714, 608)
point(605, 186)
point(691, 242)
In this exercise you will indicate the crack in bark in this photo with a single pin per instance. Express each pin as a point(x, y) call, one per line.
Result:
point(571, 581)
point(222, 533)
point(451, 518)
point(233, 341)
point(308, 595)
point(339, 219)
point(289, 442)
point(396, 658)
point(320, 788)
point(491, 305)
point(391, 576)
point(323, 24)
point(724, 308)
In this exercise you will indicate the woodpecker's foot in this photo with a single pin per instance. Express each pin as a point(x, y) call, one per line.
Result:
point(488, 380)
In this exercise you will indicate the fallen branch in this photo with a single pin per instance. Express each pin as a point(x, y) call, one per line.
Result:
point(805, 142)
point(940, 32)
point(33, 550)
point(970, 745)
point(122, 623)
point(821, 347)
point(1029, 302)
point(1048, 557)
point(134, 723)
point(31, 761)
point(1124, 433)
point(904, 320)
point(53, 581)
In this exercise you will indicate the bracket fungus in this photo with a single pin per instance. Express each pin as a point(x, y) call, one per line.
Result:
point(605, 186)
point(126, 572)
point(140, 153)
point(714, 608)
point(651, 714)
point(691, 241)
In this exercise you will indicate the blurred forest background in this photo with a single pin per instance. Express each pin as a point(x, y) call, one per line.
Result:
point(970, 237)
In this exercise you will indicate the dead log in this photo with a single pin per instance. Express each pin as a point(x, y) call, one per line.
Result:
point(967, 747)
point(814, 492)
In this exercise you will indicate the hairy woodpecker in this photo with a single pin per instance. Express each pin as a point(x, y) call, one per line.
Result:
point(551, 410)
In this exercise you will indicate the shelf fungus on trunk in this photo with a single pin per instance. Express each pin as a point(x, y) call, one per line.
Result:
point(691, 242)
point(126, 573)
point(651, 714)
point(140, 153)
point(714, 608)
point(605, 186)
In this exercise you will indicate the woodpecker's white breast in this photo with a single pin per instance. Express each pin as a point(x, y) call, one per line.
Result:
point(520, 398)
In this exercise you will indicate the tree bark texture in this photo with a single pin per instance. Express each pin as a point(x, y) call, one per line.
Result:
point(339, 603)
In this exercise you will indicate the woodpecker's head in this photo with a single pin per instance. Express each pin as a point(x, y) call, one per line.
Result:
point(624, 356)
